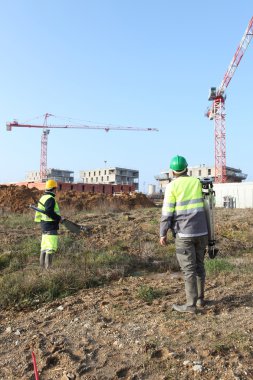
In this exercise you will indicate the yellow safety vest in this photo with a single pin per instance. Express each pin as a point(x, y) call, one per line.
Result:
point(43, 217)
point(183, 208)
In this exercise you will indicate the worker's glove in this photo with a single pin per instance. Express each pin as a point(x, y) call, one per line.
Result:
point(62, 219)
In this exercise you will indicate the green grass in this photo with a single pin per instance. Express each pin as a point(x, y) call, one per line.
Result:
point(215, 266)
point(15, 221)
point(5, 259)
point(29, 288)
point(81, 264)
point(29, 245)
point(111, 258)
point(148, 293)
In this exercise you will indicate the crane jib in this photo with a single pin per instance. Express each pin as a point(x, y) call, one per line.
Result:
point(217, 112)
point(46, 129)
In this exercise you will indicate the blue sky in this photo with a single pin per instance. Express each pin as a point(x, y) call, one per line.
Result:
point(139, 63)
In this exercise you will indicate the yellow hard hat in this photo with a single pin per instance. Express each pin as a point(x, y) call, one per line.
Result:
point(51, 184)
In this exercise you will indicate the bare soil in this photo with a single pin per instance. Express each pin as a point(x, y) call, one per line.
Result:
point(110, 332)
point(18, 198)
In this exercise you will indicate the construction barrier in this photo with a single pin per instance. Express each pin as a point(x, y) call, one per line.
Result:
point(82, 187)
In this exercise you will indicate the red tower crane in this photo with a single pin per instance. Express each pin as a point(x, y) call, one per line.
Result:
point(46, 129)
point(217, 110)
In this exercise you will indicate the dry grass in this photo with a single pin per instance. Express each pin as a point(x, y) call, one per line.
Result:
point(122, 244)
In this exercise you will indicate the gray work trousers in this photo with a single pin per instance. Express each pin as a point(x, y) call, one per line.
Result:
point(190, 254)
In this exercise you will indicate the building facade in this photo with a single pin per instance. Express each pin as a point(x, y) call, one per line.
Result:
point(112, 176)
point(201, 171)
point(234, 195)
point(56, 174)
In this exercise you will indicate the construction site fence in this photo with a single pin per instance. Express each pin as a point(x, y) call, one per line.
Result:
point(82, 187)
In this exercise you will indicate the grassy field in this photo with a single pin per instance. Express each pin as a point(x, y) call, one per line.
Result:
point(103, 312)
point(122, 244)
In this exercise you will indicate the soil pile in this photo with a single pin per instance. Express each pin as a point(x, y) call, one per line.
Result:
point(18, 198)
point(100, 202)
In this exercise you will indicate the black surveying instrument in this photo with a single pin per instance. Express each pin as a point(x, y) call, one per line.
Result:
point(209, 204)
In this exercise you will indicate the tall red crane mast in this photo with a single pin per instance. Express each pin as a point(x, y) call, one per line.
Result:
point(46, 129)
point(217, 110)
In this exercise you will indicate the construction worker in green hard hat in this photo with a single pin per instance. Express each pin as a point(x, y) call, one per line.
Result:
point(49, 221)
point(183, 212)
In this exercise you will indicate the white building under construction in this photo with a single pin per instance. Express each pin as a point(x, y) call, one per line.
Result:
point(112, 175)
point(58, 175)
point(201, 171)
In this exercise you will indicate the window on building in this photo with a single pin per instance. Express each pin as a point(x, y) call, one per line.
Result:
point(104, 171)
point(108, 178)
point(102, 178)
point(209, 171)
point(190, 173)
point(89, 174)
point(99, 173)
point(96, 179)
point(86, 179)
point(94, 173)
point(91, 179)
point(199, 173)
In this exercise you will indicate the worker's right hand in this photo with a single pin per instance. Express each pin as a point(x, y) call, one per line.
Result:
point(163, 240)
point(62, 219)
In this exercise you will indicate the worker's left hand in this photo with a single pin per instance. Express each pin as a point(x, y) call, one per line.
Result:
point(163, 240)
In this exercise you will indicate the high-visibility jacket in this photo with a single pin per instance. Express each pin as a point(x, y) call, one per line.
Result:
point(183, 208)
point(50, 220)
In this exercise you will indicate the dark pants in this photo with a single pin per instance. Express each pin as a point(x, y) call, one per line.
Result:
point(190, 254)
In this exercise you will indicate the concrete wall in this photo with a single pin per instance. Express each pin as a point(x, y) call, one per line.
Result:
point(241, 193)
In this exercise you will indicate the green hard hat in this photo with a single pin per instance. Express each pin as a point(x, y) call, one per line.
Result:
point(178, 163)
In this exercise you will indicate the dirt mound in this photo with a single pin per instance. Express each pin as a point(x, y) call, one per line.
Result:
point(100, 202)
point(17, 199)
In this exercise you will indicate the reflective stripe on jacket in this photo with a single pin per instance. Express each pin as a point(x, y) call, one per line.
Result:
point(183, 208)
point(41, 205)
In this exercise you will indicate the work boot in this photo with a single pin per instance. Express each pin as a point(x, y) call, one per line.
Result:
point(201, 292)
point(184, 308)
point(48, 260)
point(191, 291)
point(201, 302)
point(42, 258)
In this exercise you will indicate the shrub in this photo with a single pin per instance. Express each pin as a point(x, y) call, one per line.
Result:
point(148, 293)
point(5, 260)
point(215, 266)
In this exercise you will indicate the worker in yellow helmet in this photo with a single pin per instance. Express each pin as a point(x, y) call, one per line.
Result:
point(49, 220)
point(183, 212)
